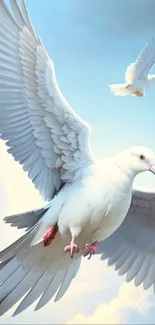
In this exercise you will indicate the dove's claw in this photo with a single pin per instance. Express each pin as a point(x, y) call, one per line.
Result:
point(50, 235)
point(71, 248)
point(90, 249)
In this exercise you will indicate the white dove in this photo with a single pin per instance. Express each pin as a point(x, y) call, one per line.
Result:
point(137, 74)
point(88, 199)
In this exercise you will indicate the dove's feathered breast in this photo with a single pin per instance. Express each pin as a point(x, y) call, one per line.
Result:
point(115, 193)
point(103, 196)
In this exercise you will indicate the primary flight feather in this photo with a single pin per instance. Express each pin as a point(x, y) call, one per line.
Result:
point(88, 199)
point(137, 74)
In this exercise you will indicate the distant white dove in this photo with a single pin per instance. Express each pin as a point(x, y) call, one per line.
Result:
point(137, 74)
point(88, 199)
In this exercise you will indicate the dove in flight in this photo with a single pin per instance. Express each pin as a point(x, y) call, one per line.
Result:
point(137, 78)
point(88, 199)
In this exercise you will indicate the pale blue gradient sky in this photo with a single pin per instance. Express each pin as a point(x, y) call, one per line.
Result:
point(91, 43)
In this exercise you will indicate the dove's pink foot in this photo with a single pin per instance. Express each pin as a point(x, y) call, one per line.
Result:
point(72, 247)
point(50, 235)
point(138, 93)
point(90, 249)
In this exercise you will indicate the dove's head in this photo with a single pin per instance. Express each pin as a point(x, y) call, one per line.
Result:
point(136, 160)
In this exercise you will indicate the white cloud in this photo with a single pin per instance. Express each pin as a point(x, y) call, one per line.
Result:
point(128, 297)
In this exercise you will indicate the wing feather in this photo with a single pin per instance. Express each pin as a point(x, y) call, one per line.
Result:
point(140, 68)
point(131, 248)
point(40, 126)
point(36, 272)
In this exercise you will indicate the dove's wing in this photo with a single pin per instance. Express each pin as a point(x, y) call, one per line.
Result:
point(42, 131)
point(140, 68)
point(131, 248)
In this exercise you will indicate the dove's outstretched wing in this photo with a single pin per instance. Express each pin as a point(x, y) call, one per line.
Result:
point(40, 128)
point(51, 142)
point(131, 248)
point(140, 68)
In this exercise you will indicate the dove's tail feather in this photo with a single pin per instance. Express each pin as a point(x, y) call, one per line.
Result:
point(27, 219)
point(121, 89)
point(35, 272)
point(21, 243)
point(38, 272)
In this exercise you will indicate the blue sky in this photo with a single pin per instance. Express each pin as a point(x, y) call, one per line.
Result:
point(91, 43)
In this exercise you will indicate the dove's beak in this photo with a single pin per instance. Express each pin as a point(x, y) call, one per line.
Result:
point(151, 168)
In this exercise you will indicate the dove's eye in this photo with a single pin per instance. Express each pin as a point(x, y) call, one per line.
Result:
point(142, 157)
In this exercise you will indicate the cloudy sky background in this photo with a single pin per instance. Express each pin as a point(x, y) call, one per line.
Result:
point(91, 43)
